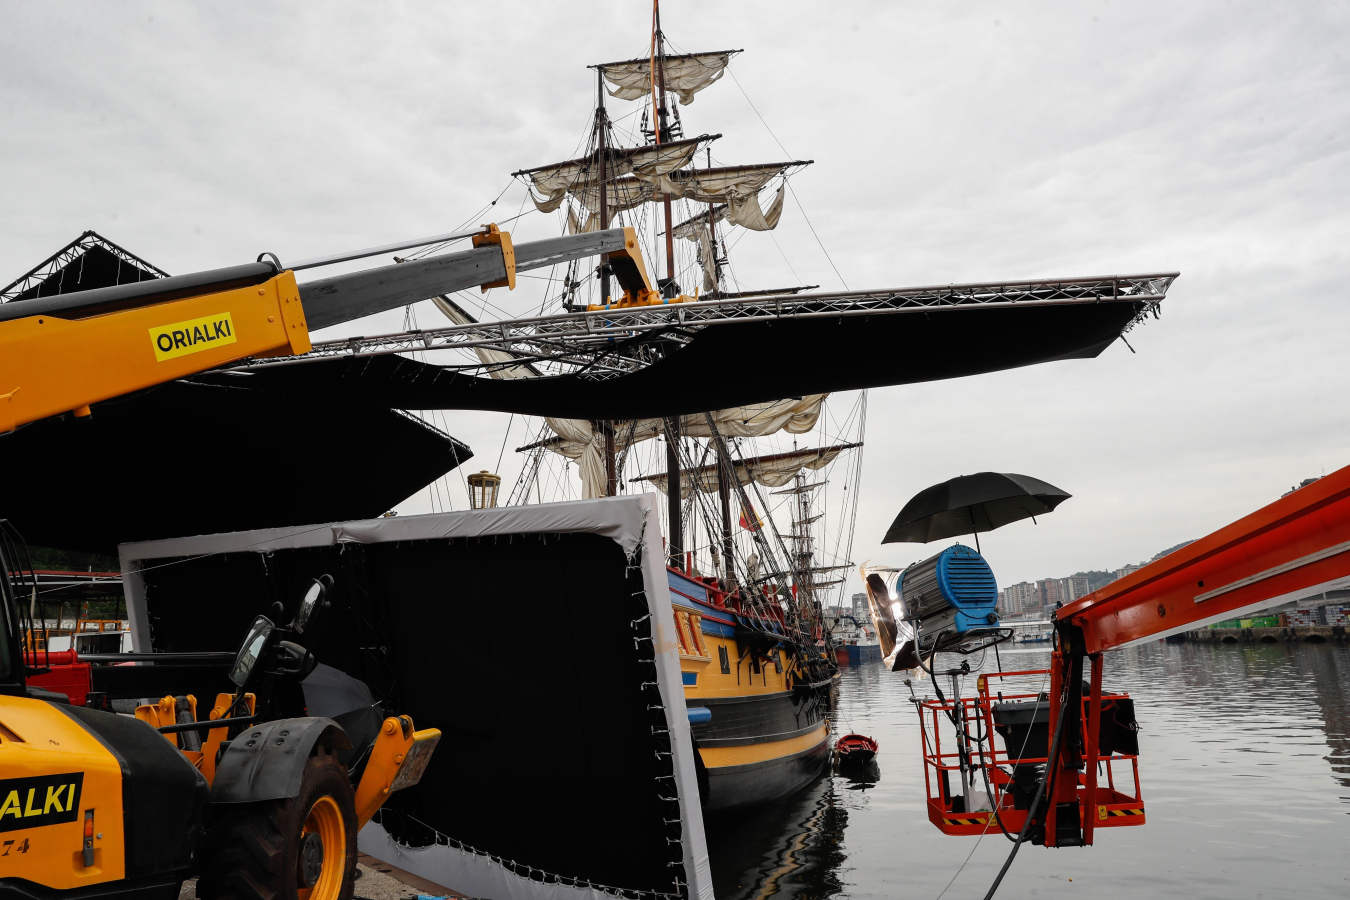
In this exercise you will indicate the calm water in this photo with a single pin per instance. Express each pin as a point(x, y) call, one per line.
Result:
point(1244, 763)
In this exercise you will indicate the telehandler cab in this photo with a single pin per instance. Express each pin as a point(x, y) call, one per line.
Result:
point(259, 799)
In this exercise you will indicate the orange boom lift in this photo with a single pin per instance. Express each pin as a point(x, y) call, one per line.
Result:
point(1069, 763)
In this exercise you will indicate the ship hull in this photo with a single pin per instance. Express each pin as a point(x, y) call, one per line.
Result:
point(861, 654)
point(785, 772)
point(759, 723)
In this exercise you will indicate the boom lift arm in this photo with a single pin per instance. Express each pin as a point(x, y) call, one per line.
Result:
point(1298, 545)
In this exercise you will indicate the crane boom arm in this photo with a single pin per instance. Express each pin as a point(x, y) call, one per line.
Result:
point(1295, 546)
point(63, 353)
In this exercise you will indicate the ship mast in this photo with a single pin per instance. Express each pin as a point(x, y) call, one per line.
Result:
point(801, 538)
point(609, 180)
point(668, 290)
point(674, 497)
point(606, 426)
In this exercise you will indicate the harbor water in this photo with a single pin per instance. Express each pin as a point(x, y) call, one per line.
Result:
point(1244, 764)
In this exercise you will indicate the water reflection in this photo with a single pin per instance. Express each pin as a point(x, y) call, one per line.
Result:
point(859, 776)
point(1244, 760)
point(1331, 672)
point(789, 849)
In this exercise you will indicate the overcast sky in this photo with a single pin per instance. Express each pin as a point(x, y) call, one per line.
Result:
point(953, 142)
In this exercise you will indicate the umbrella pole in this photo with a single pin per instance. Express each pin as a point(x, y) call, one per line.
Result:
point(977, 543)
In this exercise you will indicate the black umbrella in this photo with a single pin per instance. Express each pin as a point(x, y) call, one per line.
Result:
point(971, 504)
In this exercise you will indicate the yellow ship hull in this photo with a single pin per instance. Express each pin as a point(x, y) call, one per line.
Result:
point(759, 723)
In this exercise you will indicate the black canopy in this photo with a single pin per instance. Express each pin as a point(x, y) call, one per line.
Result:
point(197, 458)
point(735, 363)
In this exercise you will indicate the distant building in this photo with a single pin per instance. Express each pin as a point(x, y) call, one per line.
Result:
point(1050, 592)
point(860, 608)
point(1021, 599)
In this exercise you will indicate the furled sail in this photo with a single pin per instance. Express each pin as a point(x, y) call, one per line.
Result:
point(723, 184)
point(685, 74)
point(620, 195)
point(746, 214)
point(707, 259)
point(692, 227)
point(549, 184)
point(579, 441)
point(767, 220)
point(735, 186)
point(774, 470)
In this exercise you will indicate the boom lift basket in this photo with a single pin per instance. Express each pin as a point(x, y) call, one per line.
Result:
point(975, 786)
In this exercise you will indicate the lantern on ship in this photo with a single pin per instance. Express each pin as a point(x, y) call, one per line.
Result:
point(483, 489)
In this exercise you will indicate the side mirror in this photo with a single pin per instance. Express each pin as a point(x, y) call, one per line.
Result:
point(313, 597)
point(254, 644)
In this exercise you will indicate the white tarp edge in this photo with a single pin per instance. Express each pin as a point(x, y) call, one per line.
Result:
point(620, 522)
point(471, 874)
point(632, 522)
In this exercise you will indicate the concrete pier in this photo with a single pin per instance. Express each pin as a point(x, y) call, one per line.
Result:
point(1271, 634)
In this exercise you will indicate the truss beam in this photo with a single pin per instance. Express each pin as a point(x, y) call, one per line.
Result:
point(605, 331)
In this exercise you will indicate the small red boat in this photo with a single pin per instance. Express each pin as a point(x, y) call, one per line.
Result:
point(853, 749)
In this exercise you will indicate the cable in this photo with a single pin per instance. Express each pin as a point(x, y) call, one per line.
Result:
point(979, 748)
point(1035, 800)
point(828, 258)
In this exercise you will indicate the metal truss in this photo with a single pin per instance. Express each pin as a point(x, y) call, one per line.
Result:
point(611, 342)
point(67, 255)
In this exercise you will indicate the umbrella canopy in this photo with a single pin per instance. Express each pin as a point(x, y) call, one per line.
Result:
point(972, 503)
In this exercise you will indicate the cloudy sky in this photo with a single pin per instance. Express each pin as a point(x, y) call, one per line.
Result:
point(953, 142)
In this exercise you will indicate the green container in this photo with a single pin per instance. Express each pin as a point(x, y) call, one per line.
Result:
point(1265, 622)
point(1226, 623)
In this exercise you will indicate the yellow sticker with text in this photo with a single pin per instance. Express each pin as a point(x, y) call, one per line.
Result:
point(192, 336)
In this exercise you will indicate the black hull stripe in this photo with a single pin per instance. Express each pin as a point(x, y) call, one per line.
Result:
point(748, 720)
point(734, 787)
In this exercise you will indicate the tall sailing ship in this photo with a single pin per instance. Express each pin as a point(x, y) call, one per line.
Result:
point(761, 493)
point(746, 517)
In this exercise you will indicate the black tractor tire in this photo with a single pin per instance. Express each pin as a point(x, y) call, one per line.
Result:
point(254, 851)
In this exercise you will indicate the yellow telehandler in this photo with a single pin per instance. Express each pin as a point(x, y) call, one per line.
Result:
point(257, 797)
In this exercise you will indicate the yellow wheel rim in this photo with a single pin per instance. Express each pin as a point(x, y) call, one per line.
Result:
point(325, 820)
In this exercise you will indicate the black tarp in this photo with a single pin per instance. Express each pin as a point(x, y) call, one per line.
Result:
point(193, 457)
point(93, 262)
point(739, 363)
point(198, 458)
point(522, 649)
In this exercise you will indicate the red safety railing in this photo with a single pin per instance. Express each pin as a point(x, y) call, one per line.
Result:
point(975, 782)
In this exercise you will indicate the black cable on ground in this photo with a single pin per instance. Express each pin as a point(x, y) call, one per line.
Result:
point(1035, 802)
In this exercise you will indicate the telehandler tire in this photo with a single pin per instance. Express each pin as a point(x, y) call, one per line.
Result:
point(303, 848)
